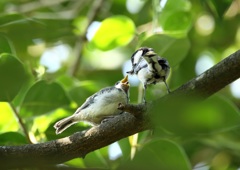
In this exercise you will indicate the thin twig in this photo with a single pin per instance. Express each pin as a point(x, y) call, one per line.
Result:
point(82, 39)
point(20, 122)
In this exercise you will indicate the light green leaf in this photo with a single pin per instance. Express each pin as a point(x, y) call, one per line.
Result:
point(43, 97)
point(180, 5)
point(159, 154)
point(177, 23)
point(12, 76)
point(175, 18)
point(77, 162)
point(113, 32)
point(7, 115)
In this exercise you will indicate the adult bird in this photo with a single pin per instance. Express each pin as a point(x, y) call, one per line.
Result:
point(149, 68)
point(98, 107)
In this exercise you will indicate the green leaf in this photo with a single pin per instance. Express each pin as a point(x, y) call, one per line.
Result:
point(159, 154)
point(5, 44)
point(12, 138)
point(114, 32)
point(77, 162)
point(125, 148)
point(43, 97)
point(7, 116)
point(98, 158)
point(192, 116)
point(12, 76)
point(218, 8)
point(175, 18)
point(180, 5)
point(173, 49)
point(50, 131)
point(177, 23)
point(24, 31)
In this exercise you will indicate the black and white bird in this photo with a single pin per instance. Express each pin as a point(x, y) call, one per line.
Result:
point(149, 68)
point(98, 107)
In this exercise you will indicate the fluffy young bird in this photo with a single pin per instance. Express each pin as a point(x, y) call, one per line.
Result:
point(149, 67)
point(99, 106)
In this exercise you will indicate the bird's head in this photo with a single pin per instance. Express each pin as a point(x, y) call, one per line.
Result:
point(150, 54)
point(123, 84)
point(137, 55)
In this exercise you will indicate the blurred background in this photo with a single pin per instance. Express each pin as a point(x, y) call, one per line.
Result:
point(54, 54)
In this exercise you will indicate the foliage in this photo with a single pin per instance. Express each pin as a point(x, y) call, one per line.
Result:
point(188, 133)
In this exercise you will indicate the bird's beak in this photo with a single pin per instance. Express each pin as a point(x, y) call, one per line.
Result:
point(150, 53)
point(125, 84)
point(125, 80)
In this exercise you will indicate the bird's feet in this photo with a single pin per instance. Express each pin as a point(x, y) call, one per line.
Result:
point(106, 119)
point(121, 106)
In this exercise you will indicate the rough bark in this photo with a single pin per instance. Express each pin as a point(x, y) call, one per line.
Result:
point(124, 125)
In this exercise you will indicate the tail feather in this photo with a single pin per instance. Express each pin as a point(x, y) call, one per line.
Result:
point(63, 124)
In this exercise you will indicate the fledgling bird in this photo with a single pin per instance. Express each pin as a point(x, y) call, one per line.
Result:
point(98, 107)
point(151, 69)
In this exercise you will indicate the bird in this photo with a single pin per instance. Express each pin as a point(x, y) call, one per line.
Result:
point(99, 107)
point(149, 68)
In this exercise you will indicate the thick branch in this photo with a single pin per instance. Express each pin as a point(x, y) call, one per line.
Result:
point(215, 78)
point(81, 143)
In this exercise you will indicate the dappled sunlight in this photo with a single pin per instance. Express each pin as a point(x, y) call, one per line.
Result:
point(235, 88)
point(205, 25)
point(204, 62)
point(54, 57)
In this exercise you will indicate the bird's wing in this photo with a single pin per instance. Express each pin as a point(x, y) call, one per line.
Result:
point(90, 100)
point(163, 63)
point(141, 66)
point(136, 57)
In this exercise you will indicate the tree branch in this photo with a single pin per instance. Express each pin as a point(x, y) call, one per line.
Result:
point(124, 125)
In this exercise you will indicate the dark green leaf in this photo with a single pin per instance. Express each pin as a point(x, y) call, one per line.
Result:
point(5, 44)
point(12, 76)
point(12, 138)
point(43, 97)
point(173, 49)
point(50, 132)
point(191, 116)
point(218, 8)
point(159, 154)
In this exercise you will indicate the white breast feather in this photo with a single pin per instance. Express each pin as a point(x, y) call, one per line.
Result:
point(137, 57)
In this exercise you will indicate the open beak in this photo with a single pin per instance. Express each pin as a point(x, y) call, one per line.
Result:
point(125, 84)
point(125, 80)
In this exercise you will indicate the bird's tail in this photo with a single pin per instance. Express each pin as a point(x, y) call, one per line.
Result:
point(63, 124)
